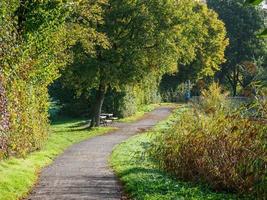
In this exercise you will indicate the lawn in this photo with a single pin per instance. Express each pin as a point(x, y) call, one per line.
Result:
point(18, 175)
point(143, 179)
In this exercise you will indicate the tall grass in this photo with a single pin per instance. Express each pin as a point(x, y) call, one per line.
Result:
point(214, 144)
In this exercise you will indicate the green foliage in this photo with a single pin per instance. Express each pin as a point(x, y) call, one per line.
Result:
point(18, 176)
point(28, 118)
point(254, 2)
point(127, 105)
point(203, 49)
point(252, 75)
point(242, 25)
point(257, 2)
point(130, 55)
point(29, 62)
point(35, 37)
point(208, 40)
point(136, 96)
point(144, 179)
point(263, 33)
point(123, 103)
point(174, 94)
point(214, 144)
point(213, 99)
point(144, 38)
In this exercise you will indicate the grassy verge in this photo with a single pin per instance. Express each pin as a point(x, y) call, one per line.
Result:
point(143, 179)
point(143, 110)
point(17, 176)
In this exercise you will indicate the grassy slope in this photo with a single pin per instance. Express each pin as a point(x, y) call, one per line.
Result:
point(17, 176)
point(143, 179)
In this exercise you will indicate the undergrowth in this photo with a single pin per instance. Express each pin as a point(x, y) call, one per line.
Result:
point(217, 145)
point(144, 179)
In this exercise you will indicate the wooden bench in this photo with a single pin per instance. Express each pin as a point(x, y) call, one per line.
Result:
point(107, 118)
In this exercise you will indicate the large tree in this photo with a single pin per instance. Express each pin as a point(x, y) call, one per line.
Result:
point(242, 24)
point(206, 43)
point(138, 31)
point(146, 37)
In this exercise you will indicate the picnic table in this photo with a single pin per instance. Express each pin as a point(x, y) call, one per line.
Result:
point(107, 118)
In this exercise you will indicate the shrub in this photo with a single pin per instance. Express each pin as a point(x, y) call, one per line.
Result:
point(30, 57)
point(214, 145)
point(28, 117)
point(175, 94)
point(133, 98)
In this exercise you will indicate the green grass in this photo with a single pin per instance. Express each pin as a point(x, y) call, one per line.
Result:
point(142, 111)
point(144, 180)
point(17, 176)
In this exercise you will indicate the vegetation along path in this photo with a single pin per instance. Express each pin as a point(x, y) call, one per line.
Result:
point(82, 172)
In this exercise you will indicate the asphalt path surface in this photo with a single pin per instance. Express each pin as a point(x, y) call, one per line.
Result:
point(82, 171)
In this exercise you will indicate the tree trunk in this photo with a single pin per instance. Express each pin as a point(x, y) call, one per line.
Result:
point(234, 88)
point(235, 80)
point(97, 107)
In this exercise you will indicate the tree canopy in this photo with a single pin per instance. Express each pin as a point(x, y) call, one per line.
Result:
point(146, 37)
point(97, 45)
point(242, 25)
point(256, 3)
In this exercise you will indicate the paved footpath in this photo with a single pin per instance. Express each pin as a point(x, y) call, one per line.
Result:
point(82, 171)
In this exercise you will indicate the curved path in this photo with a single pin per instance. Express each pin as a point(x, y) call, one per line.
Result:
point(82, 171)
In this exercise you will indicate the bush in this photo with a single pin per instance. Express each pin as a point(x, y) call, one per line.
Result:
point(28, 106)
point(133, 98)
point(215, 145)
point(175, 95)
point(30, 58)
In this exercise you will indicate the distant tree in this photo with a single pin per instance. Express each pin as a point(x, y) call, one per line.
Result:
point(242, 24)
point(146, 37)
point(206, 43)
